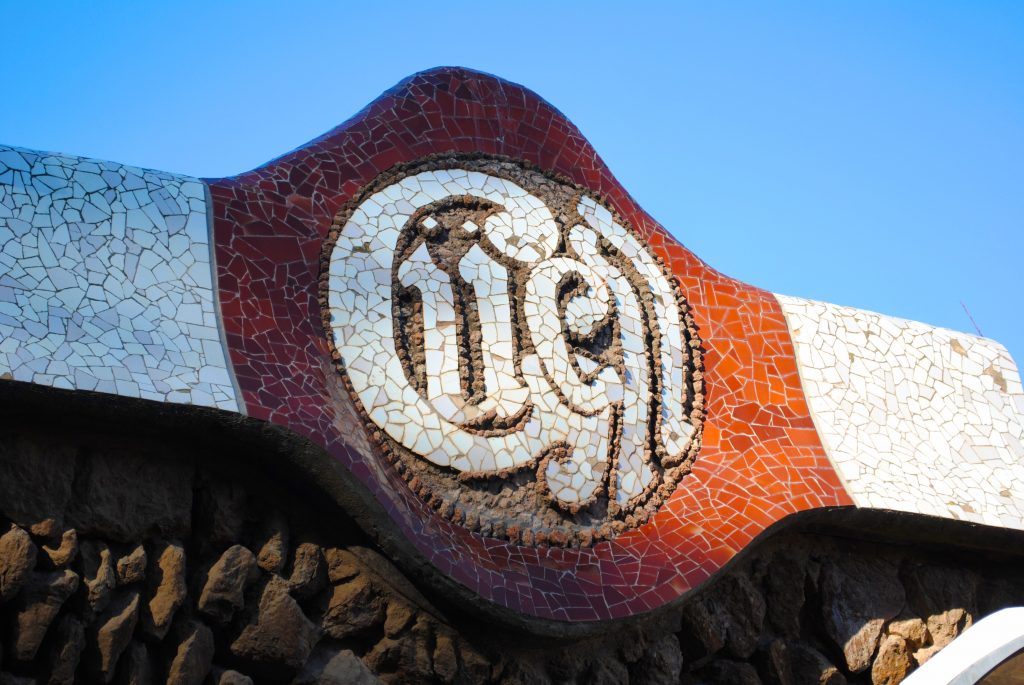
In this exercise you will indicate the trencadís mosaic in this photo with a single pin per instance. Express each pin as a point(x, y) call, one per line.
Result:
point(452, 296)
point(533, 367)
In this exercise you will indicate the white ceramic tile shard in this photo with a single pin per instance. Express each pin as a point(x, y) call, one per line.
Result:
point(106, 281)
point(914, 418)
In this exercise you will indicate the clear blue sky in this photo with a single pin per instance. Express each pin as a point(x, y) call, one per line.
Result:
point(863, 153)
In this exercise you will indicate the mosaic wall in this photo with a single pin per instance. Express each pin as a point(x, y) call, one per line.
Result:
point(915, 418)
point(105, 281)
point(559, 406)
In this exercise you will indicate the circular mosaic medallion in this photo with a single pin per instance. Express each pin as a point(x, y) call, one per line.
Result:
point(533, 369)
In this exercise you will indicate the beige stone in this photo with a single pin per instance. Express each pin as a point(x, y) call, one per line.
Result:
point(167, 577)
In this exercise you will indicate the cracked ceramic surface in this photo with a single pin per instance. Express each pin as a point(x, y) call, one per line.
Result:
point(105, 281)
point(495, 364)
point(543, 297)
point(915, 418)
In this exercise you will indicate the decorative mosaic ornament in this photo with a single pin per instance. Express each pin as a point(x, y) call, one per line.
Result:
point(531, 363)
point(495, 352)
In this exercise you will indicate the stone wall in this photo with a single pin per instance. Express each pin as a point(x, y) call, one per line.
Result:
point(140, 558)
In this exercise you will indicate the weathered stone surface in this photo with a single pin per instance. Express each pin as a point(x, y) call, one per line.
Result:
point(230, 677)
point(858, 596)
point(167, 582)
point(124, 496)
point(341, 564)
point(137, 666)
point(40, 601)
point(115, 631)
point(354, 608)
point(220, 508)
point(398, 617)
point(17, 559)
point(194, 658)
point(409, 656)
point(384, 656)
point(995, 593)
point(309, 571)
point(605, 670)
point(925, 653)
point(99, 574)
point(729, 617)
point(416, 656)
point(796, 663)
point(66, 651)
point(784, 592)
point(131, 568)
point(946, 626)
point(446, 660)
point(911, 629)
point(226, 581)
point(661, 663)
point(726, 672)
point(529, 673)
point(335, 666)
point(273, 554)
point(393, 628)
point(893, 662)
point(65, 552)
point(279, 634)
point(633, 645)
point(36, 473)
point(473, 665)
point(946, 597)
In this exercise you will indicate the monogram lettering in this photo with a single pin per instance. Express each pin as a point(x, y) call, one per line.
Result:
point(494, 331)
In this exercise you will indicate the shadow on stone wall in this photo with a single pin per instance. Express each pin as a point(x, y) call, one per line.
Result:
point(131, 558)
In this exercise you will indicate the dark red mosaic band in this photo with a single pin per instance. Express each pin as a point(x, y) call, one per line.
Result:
point(761, 458)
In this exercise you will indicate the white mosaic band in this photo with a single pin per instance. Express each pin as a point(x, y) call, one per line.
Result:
point(106, 281)
point(914, 418)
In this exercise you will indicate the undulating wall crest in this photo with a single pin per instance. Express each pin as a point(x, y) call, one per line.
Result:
point(529, 362)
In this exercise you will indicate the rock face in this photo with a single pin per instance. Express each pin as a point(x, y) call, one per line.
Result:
point(114, 632)
point(279, 634)
point(946, 598)
point(796, 663)
point(127, 496)
point(194, 657)
point(100, 577)
point(36, 473)
point(858, 597)
point(69, 642)
point(41, 600)
point(335, 667)
point(355, 607)
point(65, 552)
point(17, 559)
point(223, 593)
point(131, 568)
point(893, 662)
point(732, 618)
point(218, 579)
point(167, 578)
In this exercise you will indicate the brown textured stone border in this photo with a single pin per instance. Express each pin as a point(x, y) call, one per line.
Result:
point(523, 524)
point(177, 591)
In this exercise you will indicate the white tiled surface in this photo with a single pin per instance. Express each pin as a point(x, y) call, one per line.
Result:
point(105, 281)
point(914, 418)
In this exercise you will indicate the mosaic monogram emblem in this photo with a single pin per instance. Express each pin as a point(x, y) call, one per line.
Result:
point(531, 364)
